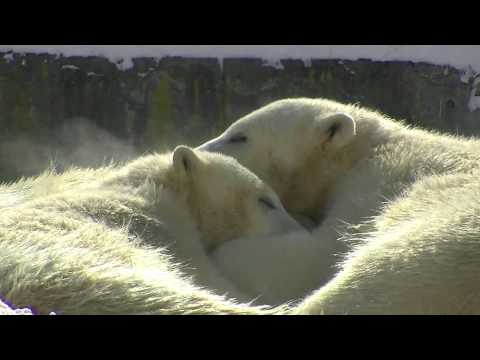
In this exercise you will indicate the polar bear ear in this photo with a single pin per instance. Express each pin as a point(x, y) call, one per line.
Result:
point(184, 159)
point(336, 130)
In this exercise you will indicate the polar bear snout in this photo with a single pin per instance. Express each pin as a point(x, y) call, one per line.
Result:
point(214, 145)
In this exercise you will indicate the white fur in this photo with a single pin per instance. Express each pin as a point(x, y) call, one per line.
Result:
point(135, 240)
point(404, 200)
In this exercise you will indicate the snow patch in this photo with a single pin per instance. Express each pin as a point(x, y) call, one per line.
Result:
point(91, 74)
point(275, 63)
point(468, 74)
point(70, 67)
point(8, 57)
point(307, 62)
point(123, 63)
point(474, 101)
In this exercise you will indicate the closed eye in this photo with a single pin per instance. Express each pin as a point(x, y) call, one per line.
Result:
point(239, 138)
point(267, 203)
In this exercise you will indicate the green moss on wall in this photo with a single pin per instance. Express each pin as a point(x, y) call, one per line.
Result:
point(160, 118)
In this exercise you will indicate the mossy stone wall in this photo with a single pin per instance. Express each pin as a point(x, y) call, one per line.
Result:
point(58, 107)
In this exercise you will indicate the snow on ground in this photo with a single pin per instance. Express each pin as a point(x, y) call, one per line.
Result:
point(462, 57)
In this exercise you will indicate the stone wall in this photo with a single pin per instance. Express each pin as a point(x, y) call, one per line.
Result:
point(84, 110)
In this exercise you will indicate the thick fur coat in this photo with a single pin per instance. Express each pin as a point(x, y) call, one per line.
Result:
point(397, 209)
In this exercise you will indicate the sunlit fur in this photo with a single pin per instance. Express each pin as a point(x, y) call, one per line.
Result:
point(130, 241)
point(49, 182)
point(399, 204)
point(420, 258)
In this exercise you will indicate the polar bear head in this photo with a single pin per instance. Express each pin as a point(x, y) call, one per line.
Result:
point(226, 200)
point(291, 144)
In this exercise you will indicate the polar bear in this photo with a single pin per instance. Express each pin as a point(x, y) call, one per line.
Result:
point(422, 258)
point(311, 151)
point(374, 184)
point(136, 240)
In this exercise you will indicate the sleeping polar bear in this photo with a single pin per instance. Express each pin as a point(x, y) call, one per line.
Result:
point(134, 240)
point(400, 204)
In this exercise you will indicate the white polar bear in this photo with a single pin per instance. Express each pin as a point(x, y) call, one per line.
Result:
point(323, 157)
point(390, 191)
point(423, 257)
point(126, 242)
